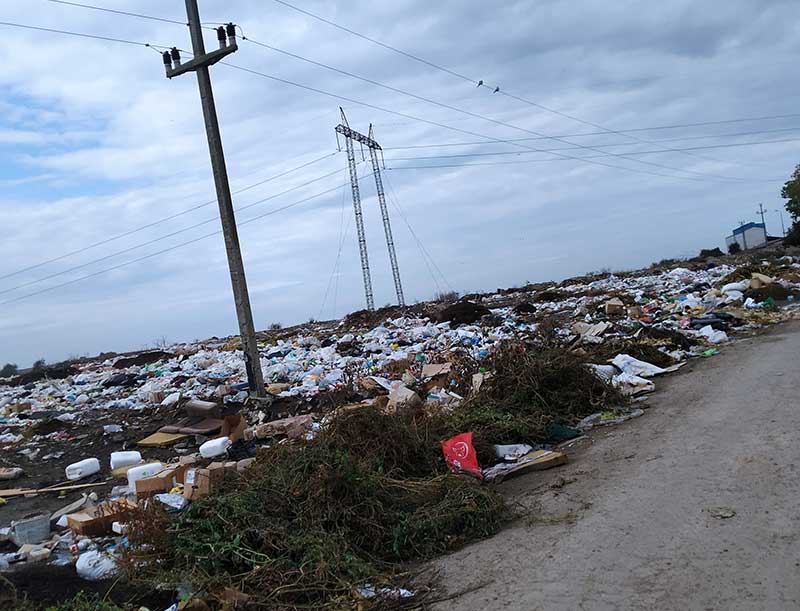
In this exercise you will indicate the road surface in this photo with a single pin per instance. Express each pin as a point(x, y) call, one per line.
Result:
point(634, 521)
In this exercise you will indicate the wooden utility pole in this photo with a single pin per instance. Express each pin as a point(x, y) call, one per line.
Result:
point(761, 211)
point(199, 64)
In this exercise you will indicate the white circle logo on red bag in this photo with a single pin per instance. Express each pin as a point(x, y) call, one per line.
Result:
point(461, 450)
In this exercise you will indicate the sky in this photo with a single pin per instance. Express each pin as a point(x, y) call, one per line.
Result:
point(107, 190)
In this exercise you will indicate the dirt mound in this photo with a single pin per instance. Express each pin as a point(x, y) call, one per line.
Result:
point(774, 290)
point(526, 307)
point(371, 318)
point(463, 313)
point(144, 358)
point(51, 372)
point(550, 295)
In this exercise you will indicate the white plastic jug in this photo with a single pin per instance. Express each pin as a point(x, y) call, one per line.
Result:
point(137, 473)
point(214, 447)
point(123, 459)
point(84, 468)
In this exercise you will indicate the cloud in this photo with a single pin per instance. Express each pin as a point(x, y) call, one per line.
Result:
point(96, 142)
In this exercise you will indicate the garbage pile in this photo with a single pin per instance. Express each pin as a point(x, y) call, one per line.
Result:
point(379, 442)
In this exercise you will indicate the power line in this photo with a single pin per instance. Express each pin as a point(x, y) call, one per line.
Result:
point(377, 42)
point(473, 114)
point(82, 35)
point(480, 82)
point(438, 124)
point(161, 220)
point(691, 148)
point(622, 132)
point(466, 165)
point(394, 112)
point(341, 239)
point(639, 129)
point(162, 237)
point(171, 248)
point(424, 251)
point(111, 10)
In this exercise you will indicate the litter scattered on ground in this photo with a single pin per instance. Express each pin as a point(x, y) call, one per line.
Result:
point(722, 513)
point(414, 414)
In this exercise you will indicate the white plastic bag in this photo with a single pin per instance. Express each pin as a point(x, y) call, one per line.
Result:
point(96, 566)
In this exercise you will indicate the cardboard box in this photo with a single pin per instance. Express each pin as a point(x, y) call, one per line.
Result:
point(196, 408)
point(197, 484)
point(233, 427)
point(615, 307)
point(96, 521)
point(216, 473)
point(163, 481)
point(244, 464)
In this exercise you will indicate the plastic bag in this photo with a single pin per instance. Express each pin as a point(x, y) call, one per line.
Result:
point(96, 566)
point(460, 455)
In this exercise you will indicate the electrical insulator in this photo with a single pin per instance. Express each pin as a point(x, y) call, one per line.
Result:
point(230, 29)
point(176, 56)
point(167, 61)
point(223, 42)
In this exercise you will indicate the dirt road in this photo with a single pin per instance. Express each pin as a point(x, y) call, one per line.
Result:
point(629, 524)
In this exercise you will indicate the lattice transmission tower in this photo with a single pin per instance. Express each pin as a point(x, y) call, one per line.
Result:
point(351, 135)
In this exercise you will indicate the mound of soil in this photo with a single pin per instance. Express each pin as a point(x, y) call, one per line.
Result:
point(145, 358)
point(774, 290)
point(463, 313)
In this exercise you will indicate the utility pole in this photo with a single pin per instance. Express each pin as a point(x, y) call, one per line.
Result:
point(199, 64)
point(351, 135)
point(387, 227)
point(761, 211)
point(344, 128)
point(783, 227)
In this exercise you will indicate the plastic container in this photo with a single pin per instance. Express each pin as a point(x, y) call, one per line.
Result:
point(124, 459)
point(137, 473)
point(214, 447)
point(84, 468)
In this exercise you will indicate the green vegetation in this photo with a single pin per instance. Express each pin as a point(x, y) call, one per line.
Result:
point(310, 522)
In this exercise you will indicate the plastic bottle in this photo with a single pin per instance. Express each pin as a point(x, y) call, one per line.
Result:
point(83, 468)
point(214, 447)
point(137, 473)
point(123, 459)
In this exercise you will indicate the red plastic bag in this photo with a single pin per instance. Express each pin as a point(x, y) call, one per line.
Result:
point(460, 456)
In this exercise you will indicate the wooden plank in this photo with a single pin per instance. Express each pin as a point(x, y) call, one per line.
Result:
point(11, 492)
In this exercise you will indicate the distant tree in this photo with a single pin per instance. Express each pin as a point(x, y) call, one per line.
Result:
point(791, 193)
point(275, 326)
point(793, 236)
point(8, 370)
point(38, 365)
point(711, 252)
point(734, 248)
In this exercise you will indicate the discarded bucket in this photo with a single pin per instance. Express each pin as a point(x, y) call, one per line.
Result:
point(214, 447)
point(124, 459)
point(83, 468)
point(137, 473)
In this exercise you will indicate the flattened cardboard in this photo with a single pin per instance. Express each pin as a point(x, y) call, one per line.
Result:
point(161, 440)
